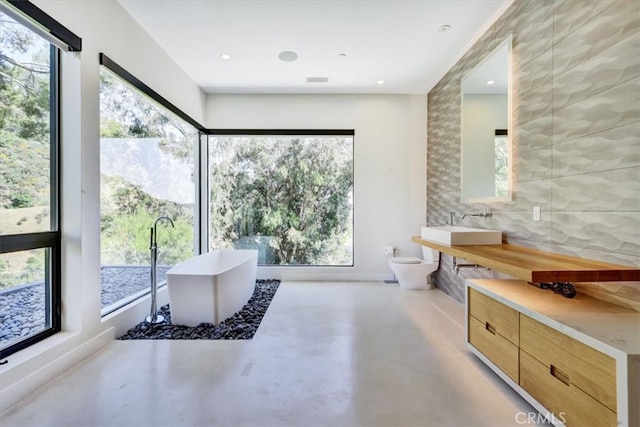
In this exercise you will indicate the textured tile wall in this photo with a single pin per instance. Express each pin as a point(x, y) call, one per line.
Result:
point(576, 136)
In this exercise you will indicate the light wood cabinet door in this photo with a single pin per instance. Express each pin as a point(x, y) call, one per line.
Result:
point(568, 403)
point(500, 319)
point(584, 367)
point(502, 352)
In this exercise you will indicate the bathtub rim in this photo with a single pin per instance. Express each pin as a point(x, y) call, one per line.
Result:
point(201, 265)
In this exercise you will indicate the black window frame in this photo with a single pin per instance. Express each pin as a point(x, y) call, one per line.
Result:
point(155, 98)
point(60, 39)
point(279, 133)
point(49, 240)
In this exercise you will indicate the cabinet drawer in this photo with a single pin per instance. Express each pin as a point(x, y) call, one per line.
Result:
point(496, 348)
point(565, 400)
point(586, 368)
point(502, 319)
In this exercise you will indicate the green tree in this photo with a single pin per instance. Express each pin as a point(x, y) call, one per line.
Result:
point(125, 112)
point(24, 116)
point(126, 240)
point(127, 210)
point(24, 143)
point(295, 190)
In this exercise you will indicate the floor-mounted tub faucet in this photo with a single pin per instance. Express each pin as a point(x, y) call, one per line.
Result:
point(154, 317)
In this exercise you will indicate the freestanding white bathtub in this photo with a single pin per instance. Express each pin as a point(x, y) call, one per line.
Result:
point(211, 287)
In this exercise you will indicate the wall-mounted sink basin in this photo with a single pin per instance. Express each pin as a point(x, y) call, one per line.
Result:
point(456, 235)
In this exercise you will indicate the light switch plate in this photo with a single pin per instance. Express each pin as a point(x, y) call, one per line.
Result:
point(536, 213)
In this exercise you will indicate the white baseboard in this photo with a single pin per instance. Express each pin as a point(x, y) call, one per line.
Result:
point(320, 274)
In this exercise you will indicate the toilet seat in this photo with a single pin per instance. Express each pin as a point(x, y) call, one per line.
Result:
point(406, 260)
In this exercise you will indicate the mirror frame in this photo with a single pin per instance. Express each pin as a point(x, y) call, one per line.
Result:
point(508, 41)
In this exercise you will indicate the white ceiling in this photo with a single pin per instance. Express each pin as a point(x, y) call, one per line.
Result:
point(392, 40)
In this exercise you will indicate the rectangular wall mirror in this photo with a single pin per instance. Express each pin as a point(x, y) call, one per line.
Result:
point(486, 129)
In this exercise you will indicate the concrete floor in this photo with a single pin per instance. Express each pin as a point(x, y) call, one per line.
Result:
point(326, 354)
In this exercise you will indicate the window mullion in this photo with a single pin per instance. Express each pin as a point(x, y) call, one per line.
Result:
point(28, 241)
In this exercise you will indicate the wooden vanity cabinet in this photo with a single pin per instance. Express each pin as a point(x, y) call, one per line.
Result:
point(493, 329)
point(570, 361)
point(567, 376)
point(561, 355)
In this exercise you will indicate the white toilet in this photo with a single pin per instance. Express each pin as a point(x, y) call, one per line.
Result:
point(412, 272)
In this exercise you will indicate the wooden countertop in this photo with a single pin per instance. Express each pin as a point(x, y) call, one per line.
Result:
point(599, 324)
point(605, 327)
point(537, 266)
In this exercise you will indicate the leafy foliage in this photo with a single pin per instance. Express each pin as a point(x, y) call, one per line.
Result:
point(126, 237)
point(24, 117)
point(128, 211)
point(125, 112)
point(295, 190)
point(24, 144)
point(501, 166)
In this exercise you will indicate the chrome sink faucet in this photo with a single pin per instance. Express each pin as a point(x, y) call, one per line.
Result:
point(485, 213)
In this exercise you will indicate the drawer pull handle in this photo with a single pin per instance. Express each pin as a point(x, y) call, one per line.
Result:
point(558, 374)
point(489, 328)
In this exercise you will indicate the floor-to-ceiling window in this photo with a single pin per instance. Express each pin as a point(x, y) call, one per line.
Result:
point(30, 287)
point(288, 196)
point(147, 170)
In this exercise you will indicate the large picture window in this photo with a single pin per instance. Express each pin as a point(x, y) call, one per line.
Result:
point(147, 170)
point(288, 196)
point(29, 231)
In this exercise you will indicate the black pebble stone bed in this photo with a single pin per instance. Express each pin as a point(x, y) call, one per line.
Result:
point(241, 326)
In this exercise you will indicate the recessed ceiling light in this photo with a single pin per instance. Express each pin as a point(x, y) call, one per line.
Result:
point(288, 56)
point(444, 28)
point(342, 55)
point(225, 56)
point(491, 82)
point(380, 82)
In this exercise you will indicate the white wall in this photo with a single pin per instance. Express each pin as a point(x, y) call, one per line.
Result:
point(104, 27)
point(390, 167)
